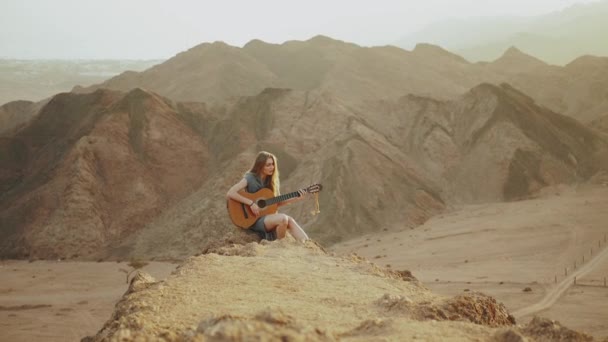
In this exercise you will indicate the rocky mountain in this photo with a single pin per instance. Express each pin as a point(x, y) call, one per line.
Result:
point(492, 144)
point(17, 113)
point(124, 175)
point(388, 165)
point(577, 90)
point(216, 72)
point(340, 154)
point(514, 61)
point(90, 169)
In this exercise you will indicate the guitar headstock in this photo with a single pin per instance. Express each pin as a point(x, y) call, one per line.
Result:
point(314, 188)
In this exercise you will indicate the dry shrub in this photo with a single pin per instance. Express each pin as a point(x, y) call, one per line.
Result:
point(475, 308)
point(268, 325)
point(542, 329)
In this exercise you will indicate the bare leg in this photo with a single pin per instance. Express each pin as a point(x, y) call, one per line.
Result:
point(281, 231)
point(277, 222)
point(296, 231)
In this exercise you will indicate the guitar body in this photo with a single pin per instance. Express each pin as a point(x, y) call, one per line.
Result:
point(241, 214)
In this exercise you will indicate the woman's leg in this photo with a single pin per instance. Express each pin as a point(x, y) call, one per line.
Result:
point(295, 230)
point(278, 222)
point(282, 223)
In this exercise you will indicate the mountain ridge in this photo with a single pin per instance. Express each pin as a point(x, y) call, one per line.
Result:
point(492, 144)
point(216, 73)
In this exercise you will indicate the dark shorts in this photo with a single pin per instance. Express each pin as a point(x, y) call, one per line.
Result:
point(260, 229)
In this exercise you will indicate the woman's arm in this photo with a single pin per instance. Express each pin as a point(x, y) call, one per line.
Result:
point(233, 193)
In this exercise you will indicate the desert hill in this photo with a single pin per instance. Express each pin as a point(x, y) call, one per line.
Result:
point(513, 60)
point(576, 89)
point(207, 72)
point(90, 169)
point(384, 165)
point(16, 113)
point(283, 290)
point(524, 145)
point(284, 122)
point(216, 72)
point(494, 143)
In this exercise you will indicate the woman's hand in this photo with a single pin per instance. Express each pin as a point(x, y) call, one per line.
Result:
point(255, 209)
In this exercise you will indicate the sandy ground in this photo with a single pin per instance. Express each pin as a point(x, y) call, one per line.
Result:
point(285, 290)
point(501, 248)
point(61, 301)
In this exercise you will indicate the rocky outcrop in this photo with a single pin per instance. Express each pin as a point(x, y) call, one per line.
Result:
point(291, 291)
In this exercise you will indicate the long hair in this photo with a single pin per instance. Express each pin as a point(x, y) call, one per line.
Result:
point(258, 165)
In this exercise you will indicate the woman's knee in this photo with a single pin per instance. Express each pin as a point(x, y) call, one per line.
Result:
point(275, 220)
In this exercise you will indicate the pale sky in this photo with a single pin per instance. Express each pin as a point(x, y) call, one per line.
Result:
point(155, 29)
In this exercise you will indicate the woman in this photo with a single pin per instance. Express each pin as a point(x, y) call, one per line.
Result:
point(265, 173)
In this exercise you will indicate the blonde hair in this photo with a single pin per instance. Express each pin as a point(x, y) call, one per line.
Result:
point(258, 165)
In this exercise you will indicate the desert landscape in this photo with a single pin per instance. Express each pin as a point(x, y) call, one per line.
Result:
point(462, 200)
point(492, 249)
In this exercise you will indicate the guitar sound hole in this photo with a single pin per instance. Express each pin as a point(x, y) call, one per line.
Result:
point(262, 203)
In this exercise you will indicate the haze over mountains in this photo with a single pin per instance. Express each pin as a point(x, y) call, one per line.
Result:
point(34, 80)
point(556, 38)
point(423, 123)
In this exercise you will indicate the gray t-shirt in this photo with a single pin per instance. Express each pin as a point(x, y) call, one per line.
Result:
point(254, 184)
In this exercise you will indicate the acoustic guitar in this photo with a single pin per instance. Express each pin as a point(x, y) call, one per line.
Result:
point(241, 214)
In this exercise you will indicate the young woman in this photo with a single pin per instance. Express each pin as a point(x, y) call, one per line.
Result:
point(265, 173)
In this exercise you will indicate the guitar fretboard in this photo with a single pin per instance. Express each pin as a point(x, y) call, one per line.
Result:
point(282, 198)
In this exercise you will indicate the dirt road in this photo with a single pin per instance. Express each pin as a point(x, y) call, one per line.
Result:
point(555, 293)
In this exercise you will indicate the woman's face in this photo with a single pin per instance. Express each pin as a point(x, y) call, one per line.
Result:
point(268, 168)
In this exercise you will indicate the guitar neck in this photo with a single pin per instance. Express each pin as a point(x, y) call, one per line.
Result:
point(282, 198)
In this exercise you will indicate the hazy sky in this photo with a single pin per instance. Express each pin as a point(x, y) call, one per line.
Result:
point(151, 29)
